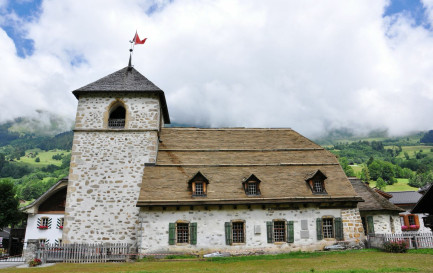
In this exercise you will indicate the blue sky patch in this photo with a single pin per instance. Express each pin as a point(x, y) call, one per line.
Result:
point(77, 60)
point(26, 11)
point(413, 8)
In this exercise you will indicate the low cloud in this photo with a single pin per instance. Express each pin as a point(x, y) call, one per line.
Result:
point(306, 65)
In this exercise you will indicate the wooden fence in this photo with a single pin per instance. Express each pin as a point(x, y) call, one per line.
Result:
point(414, 240)
point(83, 253)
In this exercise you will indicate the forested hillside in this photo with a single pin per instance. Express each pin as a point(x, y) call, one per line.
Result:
point(33, 161)
point(386, 161)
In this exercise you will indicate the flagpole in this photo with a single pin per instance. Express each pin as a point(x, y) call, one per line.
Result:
point(131, 49)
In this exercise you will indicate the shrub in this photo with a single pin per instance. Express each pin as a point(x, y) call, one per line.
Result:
point(400, 246)
point(35, 262)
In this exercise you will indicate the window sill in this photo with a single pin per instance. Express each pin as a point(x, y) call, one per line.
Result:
point(279, 243)
point(237, 244)
point(182, 244)
point(202, 195)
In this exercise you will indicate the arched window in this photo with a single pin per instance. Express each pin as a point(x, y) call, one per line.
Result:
point(117, 117)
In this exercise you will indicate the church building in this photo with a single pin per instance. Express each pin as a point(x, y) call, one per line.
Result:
point(187, 190)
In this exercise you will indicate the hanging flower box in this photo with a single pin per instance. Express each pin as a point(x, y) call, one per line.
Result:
point(411, 227)
point(60, 227)
point(42, 227)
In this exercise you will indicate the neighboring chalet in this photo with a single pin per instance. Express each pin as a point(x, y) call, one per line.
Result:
point(425, 206)
point(197, 190)
point(377, 213)
point(46, 215)
point(410, 222)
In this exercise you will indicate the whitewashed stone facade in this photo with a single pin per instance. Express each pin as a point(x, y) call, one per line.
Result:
point(106, 167)
point(51, 235)
point(386, 223)
point(154, 229)
point(422, 227)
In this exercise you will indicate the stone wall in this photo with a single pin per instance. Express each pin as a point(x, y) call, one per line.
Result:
point(386, 223)
point(154, 228)
point(107, 168)
point(142, 110)
point(352, 224)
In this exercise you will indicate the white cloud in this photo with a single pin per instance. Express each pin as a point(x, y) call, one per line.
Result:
point(308, 65)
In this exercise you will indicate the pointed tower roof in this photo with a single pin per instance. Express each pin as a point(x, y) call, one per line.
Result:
point(127, 80)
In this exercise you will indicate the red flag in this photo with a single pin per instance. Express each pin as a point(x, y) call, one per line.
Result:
point(137, 40)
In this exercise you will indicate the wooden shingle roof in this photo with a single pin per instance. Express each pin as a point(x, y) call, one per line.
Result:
point(281, 159)
point(373, 201)
point(129, 80)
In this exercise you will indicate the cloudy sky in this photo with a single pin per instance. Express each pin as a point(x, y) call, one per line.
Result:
point(309, 65)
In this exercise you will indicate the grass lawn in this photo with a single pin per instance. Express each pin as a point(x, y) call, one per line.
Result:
point(45, 157)
point(401, 185)
point(361, 261)
point(412, 149)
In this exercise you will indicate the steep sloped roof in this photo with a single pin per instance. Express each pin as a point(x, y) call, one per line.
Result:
point(280, 158)
point(33, 207)
point(405, 197)
point(373, 200)
point(127, 79)
point(425, 204)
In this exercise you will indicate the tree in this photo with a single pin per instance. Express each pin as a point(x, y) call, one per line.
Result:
point(346, 167)
point(421, 179)
point(10, 213)
point(428, 137)
point(388, 173)
point(365, 174)
point(380, 184)
point(2, 161)
point(375, 169)
point(37, 159)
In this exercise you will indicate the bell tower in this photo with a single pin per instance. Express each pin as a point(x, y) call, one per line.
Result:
point(117, 125)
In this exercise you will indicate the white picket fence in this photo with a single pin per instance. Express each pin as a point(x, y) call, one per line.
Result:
point(83, 253)
point(414, 240)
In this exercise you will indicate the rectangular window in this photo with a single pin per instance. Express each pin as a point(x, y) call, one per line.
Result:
point(42, 242)
point(411, 219)
point(238, 232)
point(182, 232)
point(328, 228)
point(44, 221)
point(279, 231)
point(318, 186)
point(199, 189)
point(252, 188)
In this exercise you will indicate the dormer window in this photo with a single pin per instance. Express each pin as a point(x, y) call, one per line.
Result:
point(316, 181)
point(117, 117)
point(198, 185)
point(251, 185)
point(199, 188)
point(318, 186)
